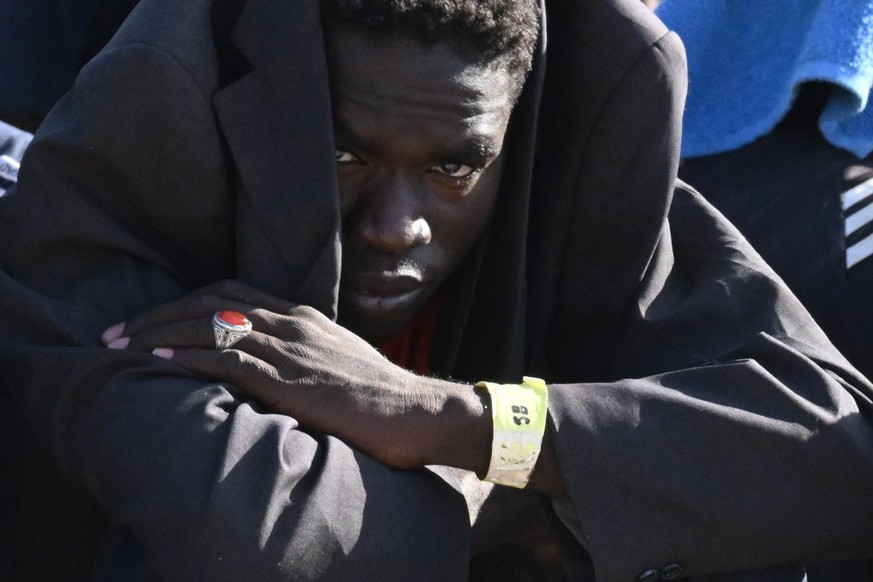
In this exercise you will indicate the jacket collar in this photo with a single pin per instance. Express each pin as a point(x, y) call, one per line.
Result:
point(288, 226)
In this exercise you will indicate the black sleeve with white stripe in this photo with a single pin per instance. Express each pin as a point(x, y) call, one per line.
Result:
point(13, 142)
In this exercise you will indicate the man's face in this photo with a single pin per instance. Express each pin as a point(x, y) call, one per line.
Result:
point(419, 133)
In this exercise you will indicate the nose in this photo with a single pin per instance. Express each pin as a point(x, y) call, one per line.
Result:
point(387, 217)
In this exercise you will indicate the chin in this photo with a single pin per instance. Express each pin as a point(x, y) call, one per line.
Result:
point(374, 331)
point(376, 319)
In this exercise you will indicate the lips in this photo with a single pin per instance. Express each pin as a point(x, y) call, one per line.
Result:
point(383, 291)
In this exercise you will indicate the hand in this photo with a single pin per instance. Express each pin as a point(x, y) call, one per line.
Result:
point(299, 363)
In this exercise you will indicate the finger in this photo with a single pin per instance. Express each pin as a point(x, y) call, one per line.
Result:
point(245, 371)
point(240, 292)
point(201, 306)
point(288, 329)
point(188, 308)
point(194, 333)
point(228, 294)
point(199, 333)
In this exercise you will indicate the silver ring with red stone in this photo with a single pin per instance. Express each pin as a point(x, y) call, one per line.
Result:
point(229, 327)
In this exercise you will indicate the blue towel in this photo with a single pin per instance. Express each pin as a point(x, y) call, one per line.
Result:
point(748, 58)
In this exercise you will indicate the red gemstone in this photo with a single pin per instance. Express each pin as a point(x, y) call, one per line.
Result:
point(233, 317)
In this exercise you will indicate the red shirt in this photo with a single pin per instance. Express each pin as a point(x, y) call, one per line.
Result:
point(411, 347)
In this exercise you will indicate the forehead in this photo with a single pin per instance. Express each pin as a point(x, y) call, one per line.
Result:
point(400, 82)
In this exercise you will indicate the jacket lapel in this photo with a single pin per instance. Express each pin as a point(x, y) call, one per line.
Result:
point(277, 123)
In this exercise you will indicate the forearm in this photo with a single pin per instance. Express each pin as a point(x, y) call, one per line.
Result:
point(215, 489)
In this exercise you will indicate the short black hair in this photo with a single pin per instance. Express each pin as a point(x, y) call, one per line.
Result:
point(483, 30)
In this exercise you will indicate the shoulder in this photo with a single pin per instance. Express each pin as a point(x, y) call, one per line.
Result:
point(181, 31)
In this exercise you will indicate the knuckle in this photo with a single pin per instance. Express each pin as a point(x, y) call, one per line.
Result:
point(266, 371)
point(235, 358)
point(133, 325)
point(303, 311)
point(202, 328)
point(136, 323)
point(228, 287)
point(259, 314)
point(309, 317)
point(207, 301)
point(306, 331)
point(295, 351)
point(273, 343)
point(220, 286)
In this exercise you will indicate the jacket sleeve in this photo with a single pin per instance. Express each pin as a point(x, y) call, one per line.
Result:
point(746, 440)
point(120, 196)
point(700, 415)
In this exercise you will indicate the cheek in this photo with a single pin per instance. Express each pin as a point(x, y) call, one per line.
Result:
point(348, 187)
point(459, 225)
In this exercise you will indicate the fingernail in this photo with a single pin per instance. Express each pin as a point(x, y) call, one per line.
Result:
point(118, 344)
point(165, 353)
point(112, 333)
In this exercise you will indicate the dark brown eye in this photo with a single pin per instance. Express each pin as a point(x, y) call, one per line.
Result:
point(454, 170)
point(344, 157)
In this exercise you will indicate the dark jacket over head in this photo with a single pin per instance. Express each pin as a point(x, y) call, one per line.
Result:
point(700, 416)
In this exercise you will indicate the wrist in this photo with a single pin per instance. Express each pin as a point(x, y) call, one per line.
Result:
point(519, 413)
point(462, 432)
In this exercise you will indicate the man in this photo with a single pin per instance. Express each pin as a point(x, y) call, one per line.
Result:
point(538, 245)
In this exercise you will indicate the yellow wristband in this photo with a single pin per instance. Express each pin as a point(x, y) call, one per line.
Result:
point(519, 415)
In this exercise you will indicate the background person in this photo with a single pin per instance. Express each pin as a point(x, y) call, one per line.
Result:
point(778, 134)
point(44, 43)
point(787, 157)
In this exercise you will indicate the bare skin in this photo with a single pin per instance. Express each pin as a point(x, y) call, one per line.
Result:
point(419, 136)
point(298, 362)
point(419, 133)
